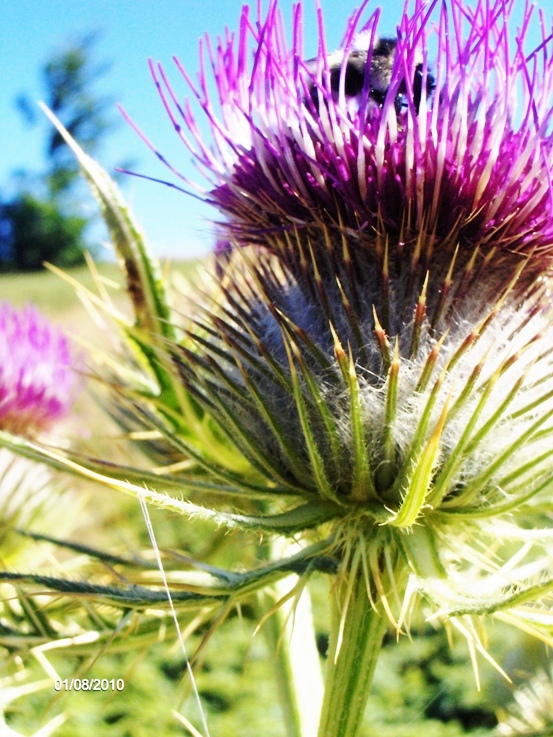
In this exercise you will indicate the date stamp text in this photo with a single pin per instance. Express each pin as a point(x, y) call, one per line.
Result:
point(89, 684)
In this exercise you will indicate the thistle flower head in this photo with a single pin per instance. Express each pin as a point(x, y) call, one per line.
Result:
point(314, 168)
point(379, 346)
point(37, 376)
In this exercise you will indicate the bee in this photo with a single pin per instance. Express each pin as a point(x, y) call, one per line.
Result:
point(379, 75)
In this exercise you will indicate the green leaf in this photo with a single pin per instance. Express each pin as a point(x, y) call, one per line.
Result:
point(420, 481)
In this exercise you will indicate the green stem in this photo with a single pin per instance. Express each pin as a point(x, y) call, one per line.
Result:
point(356, 635)
point(290, 634)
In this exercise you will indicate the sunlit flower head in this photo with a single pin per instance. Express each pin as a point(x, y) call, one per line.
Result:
point(447, 166)
point(37, 374)
point(379, 350)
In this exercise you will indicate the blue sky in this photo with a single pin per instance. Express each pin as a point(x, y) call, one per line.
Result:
point(132, 31)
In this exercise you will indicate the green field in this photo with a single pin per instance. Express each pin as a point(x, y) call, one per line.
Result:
point(50, 292)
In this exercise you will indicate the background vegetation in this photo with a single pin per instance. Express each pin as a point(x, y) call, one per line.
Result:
point(422, 686)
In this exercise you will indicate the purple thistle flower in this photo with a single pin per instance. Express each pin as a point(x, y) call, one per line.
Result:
point(378, 351)
point(459, 178)
point(375, 233)
point(37, 375)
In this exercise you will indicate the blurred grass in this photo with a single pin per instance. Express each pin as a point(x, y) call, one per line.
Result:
point(49, 292)
point(421, 686)
point(56, 297)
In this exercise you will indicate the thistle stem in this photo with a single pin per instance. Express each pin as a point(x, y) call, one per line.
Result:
point(356, 635)
point(290, 633)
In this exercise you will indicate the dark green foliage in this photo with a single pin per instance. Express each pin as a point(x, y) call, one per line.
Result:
point(33, 231)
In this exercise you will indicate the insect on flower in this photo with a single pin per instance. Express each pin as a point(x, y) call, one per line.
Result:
point(375, 75)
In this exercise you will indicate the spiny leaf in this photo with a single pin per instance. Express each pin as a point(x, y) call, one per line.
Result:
point(145, 283)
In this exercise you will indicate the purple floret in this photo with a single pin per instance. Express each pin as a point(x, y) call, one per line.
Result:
point(458, 151)
point(38, 380)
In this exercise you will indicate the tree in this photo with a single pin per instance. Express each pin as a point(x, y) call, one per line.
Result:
point(38, 223)
point(35, 231)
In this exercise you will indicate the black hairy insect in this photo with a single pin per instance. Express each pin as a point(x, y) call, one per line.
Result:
point(378, 77)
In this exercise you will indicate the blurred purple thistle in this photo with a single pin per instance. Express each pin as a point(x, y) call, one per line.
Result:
point(38, 380)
